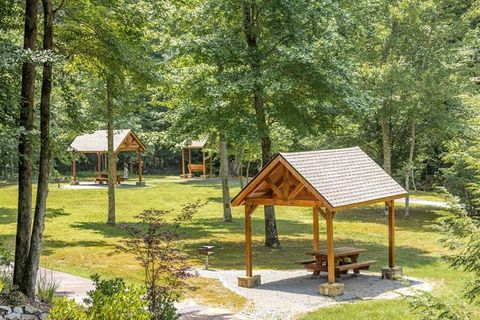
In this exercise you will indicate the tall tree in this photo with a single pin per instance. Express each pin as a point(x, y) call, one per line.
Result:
point(112, 41)
point(25, 151)
point(30, 280)
point(250, 16)
point(275, 70)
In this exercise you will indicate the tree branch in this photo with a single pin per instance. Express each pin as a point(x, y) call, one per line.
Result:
point(59, 7)
point(276, 45)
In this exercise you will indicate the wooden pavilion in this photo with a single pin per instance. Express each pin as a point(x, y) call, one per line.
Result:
point(327, 181)
point(196, 167)
point(96, 143)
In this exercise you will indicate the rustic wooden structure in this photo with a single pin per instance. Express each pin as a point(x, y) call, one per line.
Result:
point(96, 143)
point(196, 167)
point(327, 181)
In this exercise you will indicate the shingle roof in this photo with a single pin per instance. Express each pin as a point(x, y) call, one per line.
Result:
point(197, 143)
point(97, 141)
point(344, 176)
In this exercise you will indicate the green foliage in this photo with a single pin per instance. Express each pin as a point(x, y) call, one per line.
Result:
point(428, 307)
point(463, 240)
point(111, 300)
point(67, 309)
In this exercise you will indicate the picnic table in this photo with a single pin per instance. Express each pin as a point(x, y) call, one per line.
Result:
point(103, 177)
point(345, 258)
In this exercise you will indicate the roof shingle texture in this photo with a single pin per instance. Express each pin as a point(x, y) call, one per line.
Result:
point(344, 176)
point(97, 141)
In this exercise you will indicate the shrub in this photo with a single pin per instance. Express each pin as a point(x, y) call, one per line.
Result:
point(114, 300)
point(462, 239)
point(461, 236)
point(429, 307)
point(66, 309)
point(111, 300)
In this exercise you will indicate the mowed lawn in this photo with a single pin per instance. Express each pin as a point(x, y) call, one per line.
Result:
point(78, 240)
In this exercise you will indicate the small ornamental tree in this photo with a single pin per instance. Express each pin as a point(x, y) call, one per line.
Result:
point(463, 240)
point(166, 267)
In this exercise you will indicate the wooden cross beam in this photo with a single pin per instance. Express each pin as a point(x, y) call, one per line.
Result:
point(274, 187)
point(295, 191)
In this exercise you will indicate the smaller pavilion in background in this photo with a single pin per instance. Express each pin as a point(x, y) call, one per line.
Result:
point(196, 145)
point(97, 143)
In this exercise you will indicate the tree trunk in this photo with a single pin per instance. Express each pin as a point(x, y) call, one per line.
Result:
point(384, 113)
point(386, 142)
point(240, 166)
point(409, 168)
point(250, 15)
point(247, 172)
point(44, 163)
point(241, 177)
point(25, 162)
point(227, 208)
point(111, 152)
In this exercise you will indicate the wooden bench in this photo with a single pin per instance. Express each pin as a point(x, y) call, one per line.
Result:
point(104, 178)
point(195, 167)
point(361, 265)
point(309, 261)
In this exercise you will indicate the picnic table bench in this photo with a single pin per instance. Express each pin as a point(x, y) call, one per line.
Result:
point(345, 259)
point(195, 167)
point(104, 178)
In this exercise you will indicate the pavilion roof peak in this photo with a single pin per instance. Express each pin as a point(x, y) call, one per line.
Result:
point(123, 140)
point(338, 178)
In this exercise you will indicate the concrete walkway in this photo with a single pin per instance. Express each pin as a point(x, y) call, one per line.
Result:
point(428, 203)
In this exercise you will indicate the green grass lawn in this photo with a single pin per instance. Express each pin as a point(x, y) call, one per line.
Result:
point(79, 241)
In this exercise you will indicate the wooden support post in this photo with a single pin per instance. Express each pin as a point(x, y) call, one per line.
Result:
point(203, 162)
point(248, 241)
point(115, 166)
point(183, 163)
point(140, 166)
point(211, 165)
point(315, 229)
point(99, 165)
point(330, 250)
point(391, 233)
point(190, 161)
point(74, 171)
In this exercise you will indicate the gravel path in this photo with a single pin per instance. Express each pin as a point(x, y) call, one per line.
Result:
point(286, 294)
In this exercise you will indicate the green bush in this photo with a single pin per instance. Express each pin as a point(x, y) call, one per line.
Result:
point(111, 300)
point(114, 300)
point(66, 309)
